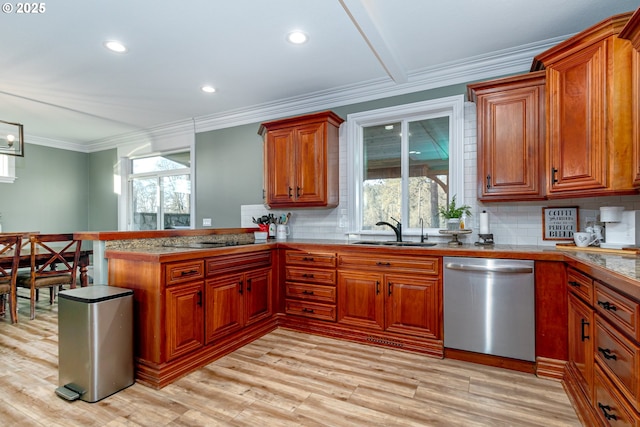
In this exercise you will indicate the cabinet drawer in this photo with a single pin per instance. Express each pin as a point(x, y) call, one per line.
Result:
point(238, 262)
point(580, 285)
point(310, 309)
point(299, 274)
point(619, 357)
point(317, 259)
point(425, 264)
point(612, 408)
point(621, 311)
point(326, 294)
point(181, 272)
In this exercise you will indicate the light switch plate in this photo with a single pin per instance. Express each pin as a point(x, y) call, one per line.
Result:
point(206, 222)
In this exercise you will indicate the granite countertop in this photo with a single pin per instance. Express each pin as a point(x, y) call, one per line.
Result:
point(611, 266)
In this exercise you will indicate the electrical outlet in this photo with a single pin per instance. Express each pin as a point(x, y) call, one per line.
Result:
point(206, 222)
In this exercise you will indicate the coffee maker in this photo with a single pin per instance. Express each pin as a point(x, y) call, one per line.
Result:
point(622, 228)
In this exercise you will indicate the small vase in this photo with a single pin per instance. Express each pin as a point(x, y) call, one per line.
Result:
point(453, 224)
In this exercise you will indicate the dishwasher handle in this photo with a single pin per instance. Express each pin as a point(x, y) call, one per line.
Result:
point(489, 269)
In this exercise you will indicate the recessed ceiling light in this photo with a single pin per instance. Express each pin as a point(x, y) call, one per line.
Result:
point(115, 46)
point(297, 37)
point(208, 89)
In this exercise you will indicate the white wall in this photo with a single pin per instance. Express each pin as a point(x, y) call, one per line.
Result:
point(511, 223)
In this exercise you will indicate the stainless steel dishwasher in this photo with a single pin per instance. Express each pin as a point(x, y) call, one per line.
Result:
point(489, 306)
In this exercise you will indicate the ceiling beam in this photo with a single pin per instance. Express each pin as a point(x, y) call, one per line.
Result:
point(364, 22)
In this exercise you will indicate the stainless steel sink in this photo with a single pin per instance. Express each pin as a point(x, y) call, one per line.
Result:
point(394, 243)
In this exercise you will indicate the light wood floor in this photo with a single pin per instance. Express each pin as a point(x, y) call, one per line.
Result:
point(283, 379)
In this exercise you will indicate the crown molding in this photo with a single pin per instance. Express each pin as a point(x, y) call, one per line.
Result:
point(494, 64)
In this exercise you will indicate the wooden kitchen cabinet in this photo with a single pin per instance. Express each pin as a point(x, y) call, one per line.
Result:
point(310, 284)
point(602, 373)
point(301, 161)
point(511, 137)
point(589, 113)
point(239, 297)
point(395, 296)
point(185, 331)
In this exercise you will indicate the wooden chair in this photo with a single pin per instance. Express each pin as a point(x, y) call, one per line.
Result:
point(54, 261)
point(10, 249)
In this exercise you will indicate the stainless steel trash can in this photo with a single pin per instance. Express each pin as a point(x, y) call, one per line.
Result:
point(95, 342)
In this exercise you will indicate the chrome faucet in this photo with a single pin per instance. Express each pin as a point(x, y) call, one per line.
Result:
point(396, 229)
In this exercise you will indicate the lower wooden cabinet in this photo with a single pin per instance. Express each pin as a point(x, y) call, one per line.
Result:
point(237, 300)
point(184, 319)
point(400, 303)
point(581, 344)
point(310, 284)
point(603, 371)
point(397, 294)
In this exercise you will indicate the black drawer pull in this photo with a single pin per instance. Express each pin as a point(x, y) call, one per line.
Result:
point(249, 285)
point(574, 283)
point(605, 411)
point(305, 292)
point(488, 182)
point(188, 273)
point(583, 323)
point(377, 287)
point(383, 264)
point(308, 258)
point(307, 310)
point(607, 305)
point(240, 287)
point(309, 276)
point(606, 353)
point(389, 286)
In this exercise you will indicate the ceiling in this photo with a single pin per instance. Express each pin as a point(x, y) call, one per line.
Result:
point(69, 91)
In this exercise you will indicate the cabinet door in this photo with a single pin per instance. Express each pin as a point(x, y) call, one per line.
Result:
point(577, 130)
point(581, 330)
point(511, 134)
point(257, 295)
point(279, 167)
point(413, 305)
point(361, 299)
point(224, 306)
point(311, 164)
point(184, 319)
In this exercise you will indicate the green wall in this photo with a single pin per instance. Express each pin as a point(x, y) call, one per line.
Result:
point(103, 201)
point(49, 194)
point(228, 174)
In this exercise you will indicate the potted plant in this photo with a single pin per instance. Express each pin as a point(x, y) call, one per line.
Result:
point(453, 214)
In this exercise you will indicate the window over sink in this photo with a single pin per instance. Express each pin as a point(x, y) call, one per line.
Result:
point(405, 162)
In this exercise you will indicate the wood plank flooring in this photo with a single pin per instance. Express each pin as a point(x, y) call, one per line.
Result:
point(283, 379)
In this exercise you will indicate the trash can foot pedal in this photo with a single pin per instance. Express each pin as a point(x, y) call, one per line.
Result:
point(70, 391)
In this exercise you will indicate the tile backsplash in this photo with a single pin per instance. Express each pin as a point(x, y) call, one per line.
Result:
point(510, 222)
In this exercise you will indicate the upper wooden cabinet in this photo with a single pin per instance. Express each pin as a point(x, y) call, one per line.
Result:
point(631, 32)
point(301, 161)
point(589, 112)
point(511, 137)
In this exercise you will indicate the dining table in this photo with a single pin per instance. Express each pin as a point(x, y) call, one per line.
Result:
point(84, 261)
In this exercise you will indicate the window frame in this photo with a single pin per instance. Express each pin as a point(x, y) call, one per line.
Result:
point(452, 106)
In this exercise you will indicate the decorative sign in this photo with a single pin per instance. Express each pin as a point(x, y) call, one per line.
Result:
point(559, 223)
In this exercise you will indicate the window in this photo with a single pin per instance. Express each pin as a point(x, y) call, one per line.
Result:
point(405, 163)
point(7, 169)
point(160, 192)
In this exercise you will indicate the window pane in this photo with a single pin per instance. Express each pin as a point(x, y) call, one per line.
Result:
point(381, 186)
point(176, 191)
point(161, 163)
point(145, 203)
point(428, 170)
